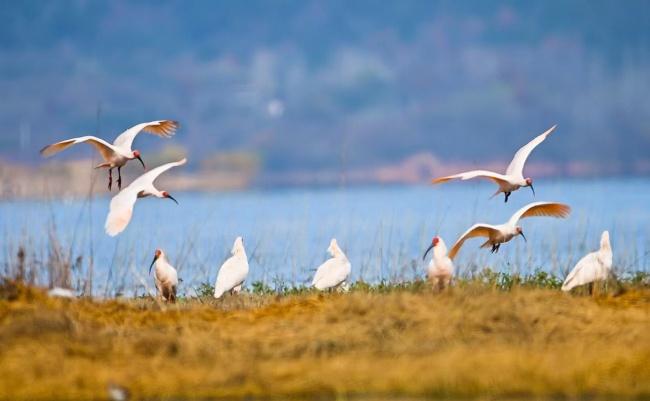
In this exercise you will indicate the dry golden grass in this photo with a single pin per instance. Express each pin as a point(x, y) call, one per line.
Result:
point(468, 342)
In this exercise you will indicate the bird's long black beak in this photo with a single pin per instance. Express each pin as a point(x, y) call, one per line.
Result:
point(427, 251)
point(141, 161)
point(523, 236)
point(155, 258)
point(532, 189)
point(172, 198)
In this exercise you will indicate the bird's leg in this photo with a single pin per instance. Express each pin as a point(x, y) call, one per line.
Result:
point(507, 194)
point(119, 178)
point(591, 289)
point(110, 178)
point(496, 247)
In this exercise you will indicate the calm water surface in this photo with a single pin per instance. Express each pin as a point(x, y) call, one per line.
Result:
point(383, 230)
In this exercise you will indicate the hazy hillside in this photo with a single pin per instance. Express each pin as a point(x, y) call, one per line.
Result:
point(315, 85)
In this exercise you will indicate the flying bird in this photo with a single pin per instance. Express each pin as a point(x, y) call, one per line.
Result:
point(121, 208)
point(441, 268)
point(119, 152)
point(233, 272)
point(595, 266)
point(165, 276)
point(498, 234)
point(513, 179)
point(334, 271)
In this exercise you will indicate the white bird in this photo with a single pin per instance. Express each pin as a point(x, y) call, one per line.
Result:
point(498, 234)
point(233, 272)
point(119, 152)
point(165, 276)
point(595, 266)
point(441, 268)
point(121, 208)
point(513, 179)
point(334, 271)
point(60, 292)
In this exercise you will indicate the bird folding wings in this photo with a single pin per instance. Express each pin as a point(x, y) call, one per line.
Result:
point(516, 166)
point(550, 209)
point(162, 128)
point(477, 230)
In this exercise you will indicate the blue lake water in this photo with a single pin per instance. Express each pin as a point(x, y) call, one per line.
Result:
point(383, 230)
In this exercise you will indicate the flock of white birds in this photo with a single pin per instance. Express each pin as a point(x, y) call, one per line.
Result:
point(335, 272)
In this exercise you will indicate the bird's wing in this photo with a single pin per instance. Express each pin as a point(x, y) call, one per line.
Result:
point(232, 273)
point(150, 176)
point(162, 128)
point(551, 209)
point(101, 145)
point(121, 210)
point(499, 179)
point(516, 166)
point(584, 272)
point(331, 273)
point(477, 230)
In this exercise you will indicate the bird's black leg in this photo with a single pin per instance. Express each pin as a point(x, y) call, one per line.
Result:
point(119, 178)
point(110, 179)
point(507, 196)
point(494, 248)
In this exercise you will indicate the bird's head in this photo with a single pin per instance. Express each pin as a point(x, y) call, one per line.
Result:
point(333, 249)
point(519, 231)
point(529, 183)
point(156, 256)
point(238, 246)
point(435, 241)
point(166, 195)
point(136, 155)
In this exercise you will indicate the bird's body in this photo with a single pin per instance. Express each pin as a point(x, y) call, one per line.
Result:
point(117, 154)
point(499, 234)
point(165, 276)
point(233, 272)
point(334, 271)
point(441, 268)
point(513, 179)
point(595, 266)
point(121, 207)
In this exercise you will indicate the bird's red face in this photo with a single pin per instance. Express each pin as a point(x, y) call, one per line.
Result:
point(521, 232)
point(166, 194)
point(155, 258)
point(136, 155)
point(434, 242)
point(529, 183)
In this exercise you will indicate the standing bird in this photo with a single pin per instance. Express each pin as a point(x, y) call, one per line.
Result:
point(165, 276)
point(334, 271)
point(501, 233)
point(119, 153)
point(441, 268)
point(513, 179)
point(121, 208)
point(595, 266)
point(233, 272)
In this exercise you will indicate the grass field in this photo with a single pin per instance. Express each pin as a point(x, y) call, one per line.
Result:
point(475, 340)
